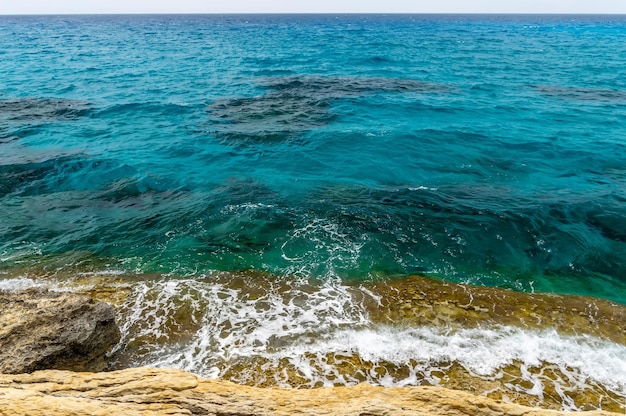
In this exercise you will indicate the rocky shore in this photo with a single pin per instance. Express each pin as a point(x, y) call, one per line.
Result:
point(152, 392)
point(40, 329)
point(56, 332)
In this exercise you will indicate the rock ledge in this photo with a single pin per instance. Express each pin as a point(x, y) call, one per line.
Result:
point(152, 392)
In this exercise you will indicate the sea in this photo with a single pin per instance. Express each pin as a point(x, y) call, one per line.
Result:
point(241, 187)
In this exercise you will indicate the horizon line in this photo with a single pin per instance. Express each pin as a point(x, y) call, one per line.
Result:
point(320, 13)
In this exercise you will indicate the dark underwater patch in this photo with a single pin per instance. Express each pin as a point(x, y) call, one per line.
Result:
point(333, 87)
point(73, 172)
point(18, 113)
point(29, 109)
point(598, 95)
point(20, 177)
point(293, 105)
point(272, 117)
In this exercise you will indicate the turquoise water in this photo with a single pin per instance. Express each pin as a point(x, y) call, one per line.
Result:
point(231, 184)
point(478, 149)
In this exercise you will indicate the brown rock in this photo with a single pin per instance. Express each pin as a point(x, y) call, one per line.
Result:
point(41, 330)
point(151, 392)
point(418, 300)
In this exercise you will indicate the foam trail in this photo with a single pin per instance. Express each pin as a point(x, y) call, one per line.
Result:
point(483, 352)
point(231, 321)
point(292, 334)
point(17, 283)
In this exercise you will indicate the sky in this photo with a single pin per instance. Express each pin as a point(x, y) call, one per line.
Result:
point(310, 6)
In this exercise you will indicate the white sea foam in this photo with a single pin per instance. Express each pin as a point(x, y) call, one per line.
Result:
point(483, 352)
point(20, 250)
point(236, 322)
point(246, 207)
point(109, 272)
point(17, 283)
point(293, 328)
point(422, 188)
point(330, 245)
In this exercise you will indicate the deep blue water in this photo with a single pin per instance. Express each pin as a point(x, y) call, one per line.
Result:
point(482, 149)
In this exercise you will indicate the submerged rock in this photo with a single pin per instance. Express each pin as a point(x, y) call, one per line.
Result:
point(34, 109)
point(296, 104)
point(573, 93)
point(40, 329)
point(418, 300)
point(148, 392)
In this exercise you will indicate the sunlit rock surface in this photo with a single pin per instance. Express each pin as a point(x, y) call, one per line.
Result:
point(144, 392)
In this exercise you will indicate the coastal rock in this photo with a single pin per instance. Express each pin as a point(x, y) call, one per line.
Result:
point(418, 300)
point(40, 329)
point(147, 392)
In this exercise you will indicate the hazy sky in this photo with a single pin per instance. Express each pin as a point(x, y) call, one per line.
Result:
point(310, 6)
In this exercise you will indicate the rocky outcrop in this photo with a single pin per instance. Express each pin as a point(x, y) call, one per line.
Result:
point(147, 392)
point(40, 329)
point(418, 301)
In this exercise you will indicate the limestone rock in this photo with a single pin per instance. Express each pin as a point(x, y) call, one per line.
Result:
point(42, 330)
point(151, 392)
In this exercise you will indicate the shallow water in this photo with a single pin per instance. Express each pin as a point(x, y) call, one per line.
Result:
point(262, 330)
point(333, 150)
